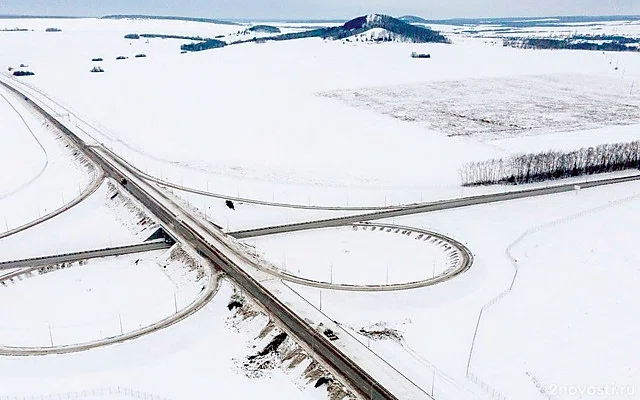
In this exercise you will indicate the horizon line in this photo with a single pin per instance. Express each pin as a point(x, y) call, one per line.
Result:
point(303, 19)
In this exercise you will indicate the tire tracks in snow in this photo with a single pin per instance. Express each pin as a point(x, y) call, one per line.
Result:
point(98, 178)
point(44, 151)
point(514, 263)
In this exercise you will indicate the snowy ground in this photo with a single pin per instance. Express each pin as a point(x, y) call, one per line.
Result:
point(40, 172)
point(199, 358)
point(580, 314)
point(76, 229)
point(86, 302)
point(246, 215)
point(499, 107)
point(437, 323)
point(624, 28)
point(358, 257)
point(102, 297)
point(23, 143)
point(247, 120)
point(263, 95)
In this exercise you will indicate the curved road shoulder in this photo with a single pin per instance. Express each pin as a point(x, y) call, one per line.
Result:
point(464, 264)
point(205, 296)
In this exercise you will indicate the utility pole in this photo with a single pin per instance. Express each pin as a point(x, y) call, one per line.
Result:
point(120, 318)
point(387, 280)
point(433, 381)
point(284, 261)
point(320, 299)
point(6, 225)
point(175, 301)
point(331, 272)
point(50, 335)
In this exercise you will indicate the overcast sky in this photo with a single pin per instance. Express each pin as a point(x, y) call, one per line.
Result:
point(321, 8)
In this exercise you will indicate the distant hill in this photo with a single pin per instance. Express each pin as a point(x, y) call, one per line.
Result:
point(402, 31)
point(412, 19)
point(170, 18)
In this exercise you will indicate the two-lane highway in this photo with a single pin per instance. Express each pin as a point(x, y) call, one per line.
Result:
point(430, 207)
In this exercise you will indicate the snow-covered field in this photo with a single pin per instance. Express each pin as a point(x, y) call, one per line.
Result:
point(437, 323)
point(266, 95)
point(200, 358)
point(255, 121)
point(506, 107)
point(40, 172)
point(99, 298)
point(624, 28)
point(356, 257)
point(87, 302)
point(571, 303)
point(96, 223)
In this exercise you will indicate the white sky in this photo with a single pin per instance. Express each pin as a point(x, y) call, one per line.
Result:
point(322, 8)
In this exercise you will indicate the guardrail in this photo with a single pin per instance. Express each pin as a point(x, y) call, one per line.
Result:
point(159, 244)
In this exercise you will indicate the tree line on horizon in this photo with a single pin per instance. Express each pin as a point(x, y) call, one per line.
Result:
point(551, 165)
point(580, 42)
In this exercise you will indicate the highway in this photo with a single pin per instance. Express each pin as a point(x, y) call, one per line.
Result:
point(159, 244)
point(429, 207)
point(214, 246)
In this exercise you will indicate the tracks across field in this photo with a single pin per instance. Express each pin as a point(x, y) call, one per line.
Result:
point(98, 178)
point(44, 151)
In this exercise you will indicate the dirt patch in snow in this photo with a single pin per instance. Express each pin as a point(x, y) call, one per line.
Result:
point(381, 332)
point(135, 218)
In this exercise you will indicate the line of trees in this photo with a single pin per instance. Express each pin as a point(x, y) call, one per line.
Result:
point(550, 165)
point(571, 43)
point(200, 46)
